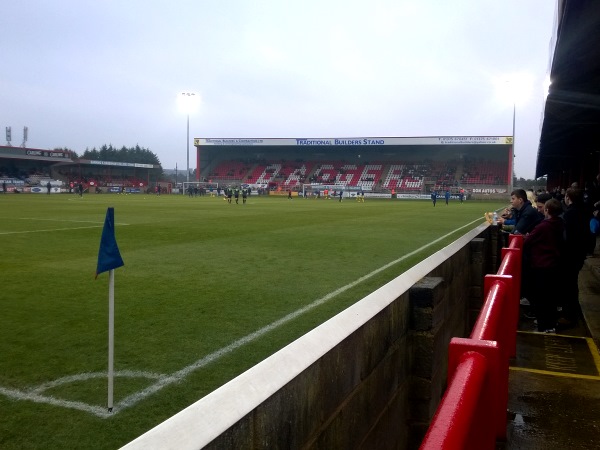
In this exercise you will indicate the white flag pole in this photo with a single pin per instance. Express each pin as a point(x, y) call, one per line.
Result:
point(111, 336)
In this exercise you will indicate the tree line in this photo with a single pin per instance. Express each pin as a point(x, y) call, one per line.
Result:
point(135, 154)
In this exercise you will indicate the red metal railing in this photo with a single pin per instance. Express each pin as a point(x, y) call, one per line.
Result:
point(472, 413)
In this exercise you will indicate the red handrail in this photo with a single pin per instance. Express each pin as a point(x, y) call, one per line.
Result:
point(472, 411)
point(458, 408)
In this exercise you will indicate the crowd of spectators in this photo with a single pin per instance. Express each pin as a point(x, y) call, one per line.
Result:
point(560, 227)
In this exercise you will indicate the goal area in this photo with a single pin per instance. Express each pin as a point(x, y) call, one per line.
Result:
point(318, 190)
point(199, 186)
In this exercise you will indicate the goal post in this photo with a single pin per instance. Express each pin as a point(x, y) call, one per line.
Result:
point(199, 186)
point(318, 190)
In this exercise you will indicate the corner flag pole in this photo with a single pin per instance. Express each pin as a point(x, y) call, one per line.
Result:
point(109, 258)
point(111, 336)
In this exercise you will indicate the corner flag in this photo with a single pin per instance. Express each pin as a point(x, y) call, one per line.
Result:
point(108, 256)
point(109, 259)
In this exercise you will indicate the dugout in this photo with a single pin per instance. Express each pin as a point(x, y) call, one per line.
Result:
point(482, 165)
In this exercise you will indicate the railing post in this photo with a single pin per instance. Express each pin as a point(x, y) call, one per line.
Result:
point(515, 241)
point(495, 391)
point(507, 332)
point(456, 421)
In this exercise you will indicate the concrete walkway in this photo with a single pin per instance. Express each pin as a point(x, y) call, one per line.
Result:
point(554, 384)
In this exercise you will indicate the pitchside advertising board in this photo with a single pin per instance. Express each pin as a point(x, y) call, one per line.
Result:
point(44, 190)
point(359, 141)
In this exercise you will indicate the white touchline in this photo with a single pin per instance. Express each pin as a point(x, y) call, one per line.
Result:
point(47, 231)
point(60, 220)
point(67, 220)
point(162, 381)
point(56, 229)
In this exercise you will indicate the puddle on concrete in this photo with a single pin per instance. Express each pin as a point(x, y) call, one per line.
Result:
point(518, 419)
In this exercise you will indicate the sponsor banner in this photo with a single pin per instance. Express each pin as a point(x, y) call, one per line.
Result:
point(377, 195)
point(43, 183)
point(240, 141)
point(413, 196)
point(44, 190)
point(440, 197)
point(48, 153)
point(358, 141)
point(34, 153)
point(476, 140)
point(128, 190)
point(121, 164)
point(489, 191)
point(13, 181)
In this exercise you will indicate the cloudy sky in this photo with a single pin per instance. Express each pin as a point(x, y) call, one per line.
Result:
point(81, 73)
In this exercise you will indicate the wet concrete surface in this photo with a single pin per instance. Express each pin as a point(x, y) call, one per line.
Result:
point(554, 382)
point(552, 412)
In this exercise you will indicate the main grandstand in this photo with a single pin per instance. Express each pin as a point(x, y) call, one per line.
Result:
point(405, 166)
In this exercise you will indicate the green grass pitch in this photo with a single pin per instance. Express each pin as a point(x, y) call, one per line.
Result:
point(200, 276)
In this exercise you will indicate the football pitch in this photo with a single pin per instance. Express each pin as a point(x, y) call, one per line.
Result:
point(208, 290)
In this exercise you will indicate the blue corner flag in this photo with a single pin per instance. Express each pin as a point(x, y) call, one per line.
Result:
point(108, 256)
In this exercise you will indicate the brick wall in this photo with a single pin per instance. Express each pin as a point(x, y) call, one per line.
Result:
point(371, 377)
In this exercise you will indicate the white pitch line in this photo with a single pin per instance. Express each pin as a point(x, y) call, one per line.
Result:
point(3, 233)
point(68, 220)
point(46, 231)
point(178, 376)
point(20, 395)
point(35, 395)
point(59, 220)
point(91, 375)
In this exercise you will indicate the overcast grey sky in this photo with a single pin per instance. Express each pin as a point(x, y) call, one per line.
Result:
point(80, 73)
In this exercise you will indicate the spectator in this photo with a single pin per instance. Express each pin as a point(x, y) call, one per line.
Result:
point(542, 250)
point(525, 215)
point(576, 242)
point(540, 202)
point(594, 194)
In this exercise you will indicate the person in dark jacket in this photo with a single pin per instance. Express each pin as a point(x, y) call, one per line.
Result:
point(525, 215)
point(576, 238)
point(543, 251)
